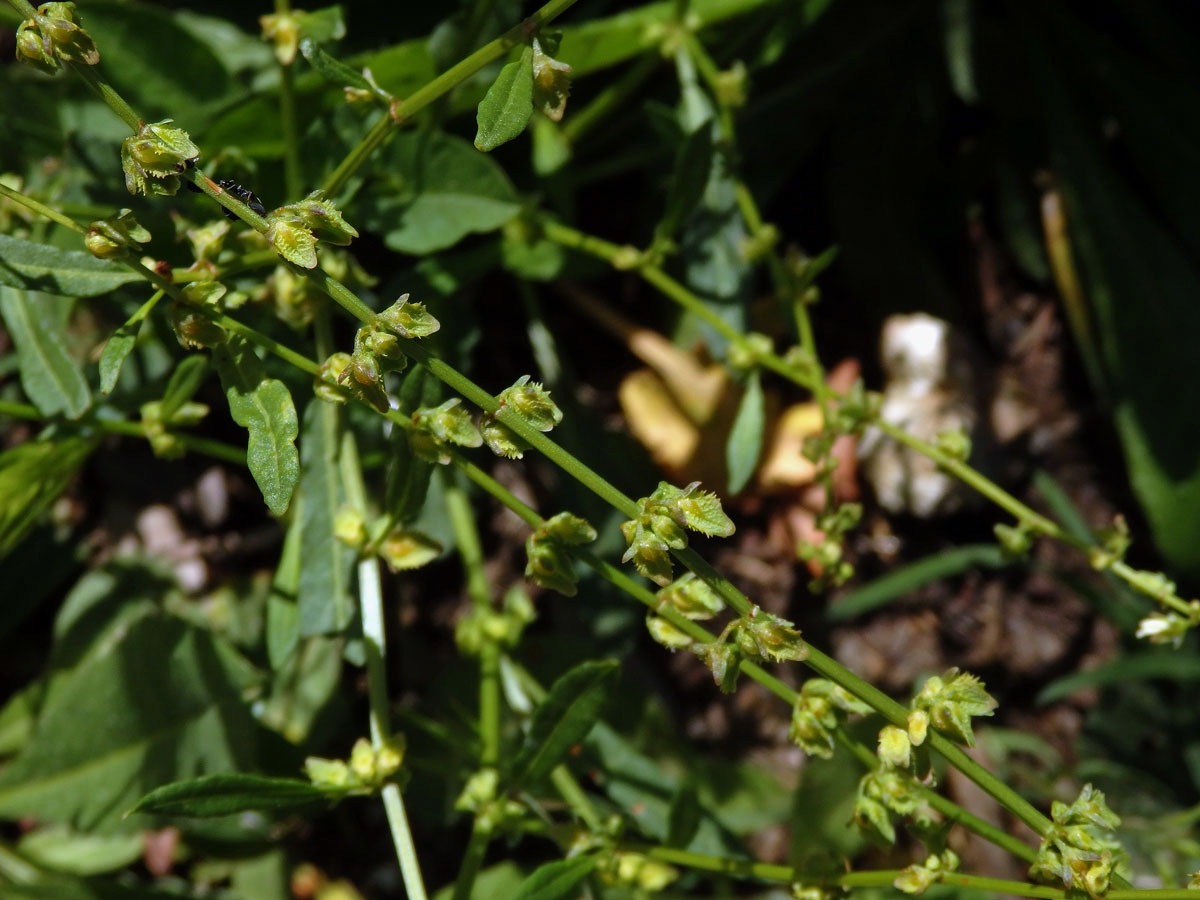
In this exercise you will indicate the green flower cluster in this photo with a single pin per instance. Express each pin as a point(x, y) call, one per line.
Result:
point(53, 37)
point(365, 772)
point(822, 707)
point(1081, 849)
point(116, 236)
point(532, 403)
point(549, 555)
point(294, 230)
point(660, 524)
point(153, 158)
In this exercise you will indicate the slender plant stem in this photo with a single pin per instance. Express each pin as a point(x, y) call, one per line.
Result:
point(403, 110)
point(287, 118)
point(196, 443)
point(472, 860)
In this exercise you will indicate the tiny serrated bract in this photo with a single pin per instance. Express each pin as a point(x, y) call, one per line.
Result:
point(532, 403)
point(292, 240)
point(952, 700)
point(407, 320)
point(549, 563)
point(692, 597)
point(448, 423)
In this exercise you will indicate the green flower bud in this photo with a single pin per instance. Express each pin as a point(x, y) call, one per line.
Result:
point(349, 527)
point(951, 701)
point(34, 49)
point(362, 761)
point(692, 597)
point(532, 403)
point(479, 790)
point(327, 773)
point(918, 726)
point(390, 756)
point(723, 660)
point(364, 380)
point(192, 329)
point(115, 236)
point(649, 553)
point(330, 375)
point(284, 30)
point(770, 638)
point(407, 320)
point(324, 220)
point(895, 749)
point(292, 240)
point(501, 439)
point(152, 159)
point(405, 549)
point(449, 423)
point(1015, 542)
point(666, 634)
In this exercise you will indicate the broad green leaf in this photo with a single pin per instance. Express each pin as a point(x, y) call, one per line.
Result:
point(323, 592)
point(332, 69)
point(303, 688)
point(51, 379)
point(684, 816)
point(505, 110)
point(160, 702)
point(155, 63)
point(437, 189)
point(693, 163)
point(572, 706)
point(229, 792)
point(65, 850)
point(556, 879)
point(263, 406)
point(907, 579)
point(70, 273)
point(32, 475)
point(498, 881)
point(745, 442)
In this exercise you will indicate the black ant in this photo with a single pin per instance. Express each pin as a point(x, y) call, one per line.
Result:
point(246, 195)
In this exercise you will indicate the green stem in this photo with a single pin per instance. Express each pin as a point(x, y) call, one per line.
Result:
point(287, 117)
point(462, 520)
point(40, 208)
point(403, 110)
point(472, 860)
point(207, 446)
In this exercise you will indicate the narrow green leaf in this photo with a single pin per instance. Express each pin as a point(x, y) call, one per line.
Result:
point(332, 69)
point(183, 384)
point(683, 818)
point(1167, 665)
point(745, 442)
point(505, 110)
point(283, 615)
point(263, 406)
point(912, 576)
point(119, 346)
point(32, 475)
point(556, 879)
point(564, 718)
point(693, 163)
point(229, 792)
point(70, 273)
point(160, 702)
point(51, 379)
point(322, 593)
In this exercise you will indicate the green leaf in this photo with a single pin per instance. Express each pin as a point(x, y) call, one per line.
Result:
point(66, 850)
point(684, 815)
point(159, 702)
point(556, 879)
point(907, 579)
point(156, 64)
point(564, 718)
point(51, 379)
point(323, 594)
point(331, 69)
point(70, 273)
point(283, 615)
point(693, 163)
point(744, 446)
point(505, 110)
point(229, 792)
point(32, 475)
point(263, 406)
point(184, 382)
point(441, 190)
point(1168, 666)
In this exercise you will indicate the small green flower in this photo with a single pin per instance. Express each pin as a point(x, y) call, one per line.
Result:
point(769, 638)
point(821, 708)
point(666, 634)
point(350, 527)
point(407, 320)
point(116, 236)
point(1164, 628)
point(660, 523)
point(549, 561)
point(917, 879)
point(1081, 847)
point(723, 660)
point(955, 443)
point(692, 597)
point(362, 378)
point(446, 424)
point(53, 37)
point(551, 82)
point(292, 240)
point(403, 549)
point(951, 701)
point(885, 793)
point(329, 376)
point(1015, 541)
point(192, 329)
point(895, 749)
point(163, 442)
point(501, 439)
point(1114, 542)
point(153, 158)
